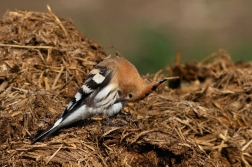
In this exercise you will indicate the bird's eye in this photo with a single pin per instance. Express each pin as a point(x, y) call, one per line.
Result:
point(130, 95)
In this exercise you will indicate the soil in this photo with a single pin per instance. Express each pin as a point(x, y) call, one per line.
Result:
point(202, 119)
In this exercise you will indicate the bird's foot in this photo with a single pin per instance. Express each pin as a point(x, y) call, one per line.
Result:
point(110, 123)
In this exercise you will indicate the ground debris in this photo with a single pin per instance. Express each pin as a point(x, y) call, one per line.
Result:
point(43, 60)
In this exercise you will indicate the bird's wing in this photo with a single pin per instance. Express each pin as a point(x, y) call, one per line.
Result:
point(98, 78)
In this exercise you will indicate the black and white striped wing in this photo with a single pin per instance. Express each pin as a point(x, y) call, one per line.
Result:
point(98, 78)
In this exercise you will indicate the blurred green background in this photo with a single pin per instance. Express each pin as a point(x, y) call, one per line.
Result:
point(149, 33)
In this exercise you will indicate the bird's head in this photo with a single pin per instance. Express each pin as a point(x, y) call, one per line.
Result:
point(140, 92)
point(131, 85)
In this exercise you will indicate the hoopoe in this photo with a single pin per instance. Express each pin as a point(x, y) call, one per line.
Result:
point(108, 86)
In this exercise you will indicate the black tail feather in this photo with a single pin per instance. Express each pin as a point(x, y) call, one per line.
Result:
point(44, 134)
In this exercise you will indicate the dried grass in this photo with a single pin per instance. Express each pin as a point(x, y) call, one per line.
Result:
point(43, 60)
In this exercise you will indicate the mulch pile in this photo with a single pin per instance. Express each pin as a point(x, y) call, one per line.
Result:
point(205, 121)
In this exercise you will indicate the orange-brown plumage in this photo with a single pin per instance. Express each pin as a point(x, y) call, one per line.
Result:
point(106, 89)
point(128, 79)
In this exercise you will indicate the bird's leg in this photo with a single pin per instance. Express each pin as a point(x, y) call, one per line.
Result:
point(108, 120)
point(105, 114)
point(124, 115)
point(110, 123)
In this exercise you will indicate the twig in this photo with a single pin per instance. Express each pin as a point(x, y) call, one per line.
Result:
point(88, 146)
point(57, 20)
point(246, 145)
point(54, 154)
point(15, 102)
point(224, 139)
point(180, 134)
point(87, 62)
point(29, 47)
point(31, 92)
point(41, 56)
point(108, 132)
point(46, 84)
point(142, 134)
point(23, 90)
point(57, 77)
point(209, 57)
point(40, 80)
point(104, 162)
point(244, 161)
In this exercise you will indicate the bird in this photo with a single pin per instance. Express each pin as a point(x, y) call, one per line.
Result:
point(106, 89)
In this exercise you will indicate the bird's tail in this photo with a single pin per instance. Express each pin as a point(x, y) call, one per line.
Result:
point(48, 132)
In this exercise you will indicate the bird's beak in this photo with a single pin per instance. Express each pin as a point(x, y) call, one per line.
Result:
point(120, 99)
point(152, 87)
point(155, 85)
